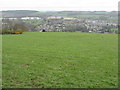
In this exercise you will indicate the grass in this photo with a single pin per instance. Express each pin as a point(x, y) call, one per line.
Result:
point(34, 22)
point(88, 16)
point(114, 29)
point(60, 60)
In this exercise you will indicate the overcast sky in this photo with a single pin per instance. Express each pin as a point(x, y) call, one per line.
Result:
point(60, 5)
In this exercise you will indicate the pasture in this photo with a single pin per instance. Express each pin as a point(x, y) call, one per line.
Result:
point(60, 60)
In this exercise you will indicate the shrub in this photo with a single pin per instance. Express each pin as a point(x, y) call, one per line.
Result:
point(18, 31)
point(0, 30)
point(7, 31)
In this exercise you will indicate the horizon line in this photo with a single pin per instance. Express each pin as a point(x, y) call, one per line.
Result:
point(61, 10)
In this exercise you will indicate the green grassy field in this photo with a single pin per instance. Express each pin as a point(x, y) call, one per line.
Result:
point(34, 22)
point(60, 60)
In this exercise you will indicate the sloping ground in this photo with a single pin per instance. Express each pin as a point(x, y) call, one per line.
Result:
point(60, 60)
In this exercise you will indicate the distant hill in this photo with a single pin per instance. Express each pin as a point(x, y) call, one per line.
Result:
point(33, 13)
point(20, 13)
